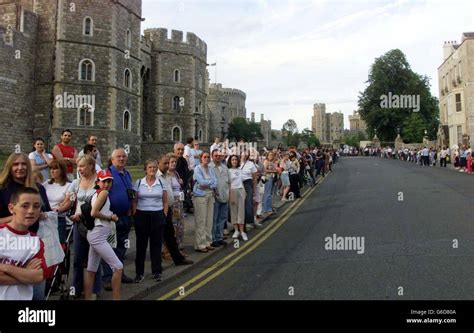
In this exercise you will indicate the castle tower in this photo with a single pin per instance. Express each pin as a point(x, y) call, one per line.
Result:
point(179, 85)
point(18, 33)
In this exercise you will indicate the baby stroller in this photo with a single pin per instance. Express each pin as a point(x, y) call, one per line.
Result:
point(58, 275)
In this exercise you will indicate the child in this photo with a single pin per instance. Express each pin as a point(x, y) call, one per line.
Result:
point(22, 262)
point(97, 237)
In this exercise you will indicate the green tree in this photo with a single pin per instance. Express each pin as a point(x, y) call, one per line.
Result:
point(308, 137)
point(353, 139)
point(391, 73)
point(413, 128)
point(288, 130)
point(240, 129)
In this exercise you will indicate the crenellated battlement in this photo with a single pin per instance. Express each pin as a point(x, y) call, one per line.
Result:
point(160, 40)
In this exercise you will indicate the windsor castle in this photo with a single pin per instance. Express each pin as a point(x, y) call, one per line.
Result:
point(84, 65)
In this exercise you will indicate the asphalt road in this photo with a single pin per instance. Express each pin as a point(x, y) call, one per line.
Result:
point(420, 247)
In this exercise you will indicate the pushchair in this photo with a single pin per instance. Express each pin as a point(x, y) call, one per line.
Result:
point(58, 275)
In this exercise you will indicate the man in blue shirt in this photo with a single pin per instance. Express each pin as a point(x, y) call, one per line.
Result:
point(121, 197)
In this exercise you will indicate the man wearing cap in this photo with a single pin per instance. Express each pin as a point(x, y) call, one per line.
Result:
point(121, 197)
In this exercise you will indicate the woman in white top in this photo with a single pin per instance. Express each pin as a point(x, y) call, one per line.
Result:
point(98, 237)
point(150, 208)
point(57, 190)
point(81, 189)
point(285, 177)
point(236, 197)
point(40, 160)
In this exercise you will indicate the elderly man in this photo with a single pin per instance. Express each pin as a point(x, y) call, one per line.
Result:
point(169, 233)
point(221, 206)
point(121, 196)
point(182, 169)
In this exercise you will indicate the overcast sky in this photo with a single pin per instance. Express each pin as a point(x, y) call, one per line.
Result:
point(288, 55)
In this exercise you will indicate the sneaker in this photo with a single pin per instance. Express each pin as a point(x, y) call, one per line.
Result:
point(235, 235)
point(139, 279)
point(244, 236)
point(215, 244)
point(258, 225)
point(226, 232)
point(249, 226)
point(157, 277)
point(222, 243)
point(93, 297)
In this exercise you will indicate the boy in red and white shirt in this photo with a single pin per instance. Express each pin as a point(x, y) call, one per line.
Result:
point(22, 262)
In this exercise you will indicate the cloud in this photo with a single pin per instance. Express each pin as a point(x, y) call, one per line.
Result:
point(288, 55)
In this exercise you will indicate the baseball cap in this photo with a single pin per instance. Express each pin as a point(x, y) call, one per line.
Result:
point(104, 174)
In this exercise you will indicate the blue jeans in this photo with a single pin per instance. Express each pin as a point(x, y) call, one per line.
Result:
point(39, 291)
point(267, 196)
point(81, 253)
point(220, 217)
point(123, 229)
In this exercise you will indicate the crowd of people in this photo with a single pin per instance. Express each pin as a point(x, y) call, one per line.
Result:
point(228, 190)
point(461, 156)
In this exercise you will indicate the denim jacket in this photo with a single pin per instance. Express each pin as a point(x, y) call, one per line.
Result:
point(201, 180)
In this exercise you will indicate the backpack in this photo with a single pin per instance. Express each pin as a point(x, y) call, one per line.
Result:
point(86, 213)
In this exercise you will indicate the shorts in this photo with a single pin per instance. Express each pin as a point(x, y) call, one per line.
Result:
point(285, 178)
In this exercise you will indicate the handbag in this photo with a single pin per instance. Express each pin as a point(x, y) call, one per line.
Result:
point(48, 233)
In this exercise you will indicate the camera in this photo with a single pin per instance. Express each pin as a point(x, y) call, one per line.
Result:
point(132, 195)
point(263, 179)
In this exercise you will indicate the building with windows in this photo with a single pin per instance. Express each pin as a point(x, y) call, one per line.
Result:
point(328, 127)
point(84, 65)
point(356, 123)
point(225, 104)
point(456, 92)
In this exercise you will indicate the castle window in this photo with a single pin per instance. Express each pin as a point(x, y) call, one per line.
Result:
point(128, 39)
point(127, 121)
point(85, 115)
point(200, 106)
point(200, 81)
point(88, 26)
point(200, 135)
point(176, 76)
point(176, 103)
point(86, 70)
point(176, 134)
point(127, 78)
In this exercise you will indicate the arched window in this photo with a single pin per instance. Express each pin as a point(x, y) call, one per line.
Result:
point(85, 115)
point(127, 78)
point(128, 39)
point(176, 76)
point(175, 103)
point(88, 26)
point(127, 121)
point(86, 70)
point(176, 134)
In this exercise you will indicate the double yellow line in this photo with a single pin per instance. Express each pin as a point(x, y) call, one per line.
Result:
point(227, 262)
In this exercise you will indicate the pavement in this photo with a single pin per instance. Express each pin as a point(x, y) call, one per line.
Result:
point(417, 228)
point(170, 271)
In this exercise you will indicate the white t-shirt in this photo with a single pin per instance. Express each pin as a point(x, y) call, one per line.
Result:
point(236, 178)
point(56, 194)
point(39, 160)
point(105, 210)
point(31, 247)
point(248, 169)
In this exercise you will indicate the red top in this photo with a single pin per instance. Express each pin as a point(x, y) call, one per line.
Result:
point(67, 151)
